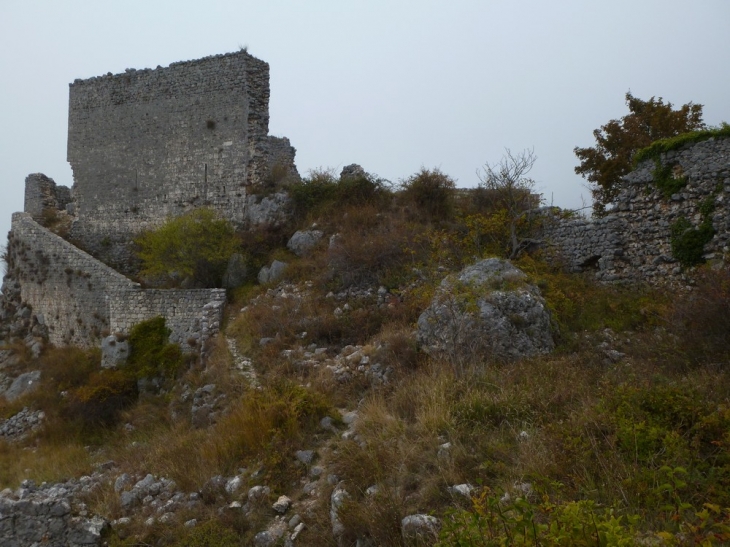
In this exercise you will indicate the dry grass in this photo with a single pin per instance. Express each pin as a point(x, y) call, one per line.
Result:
point(46, 462)
point(575, 424)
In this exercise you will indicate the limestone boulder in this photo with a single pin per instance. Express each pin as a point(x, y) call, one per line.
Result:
point(273, 210)
point(487, 311)
point(269, 274)
point(420, 528)
point(25, 383)
point(303, 241)
point(114, 351)
point(236, 272)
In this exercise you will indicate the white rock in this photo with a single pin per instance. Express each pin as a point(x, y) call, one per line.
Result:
point(282, 505)
point(419, 527)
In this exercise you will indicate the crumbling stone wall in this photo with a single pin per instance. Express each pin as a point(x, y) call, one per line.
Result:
point(42, 194)
point(633, 242)
point(45, 516)
point(149, 144)
point(78, 298)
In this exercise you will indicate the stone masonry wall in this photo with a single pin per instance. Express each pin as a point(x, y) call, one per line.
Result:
point(149, 144)
point(633, 242)
point(78, 297)
point(192, 315)
point(42, 194)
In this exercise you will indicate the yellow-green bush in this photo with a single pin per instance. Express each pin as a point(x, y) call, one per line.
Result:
point(195, 246)
point(101, 399)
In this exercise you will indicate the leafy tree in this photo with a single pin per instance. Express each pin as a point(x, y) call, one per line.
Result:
point(616, 143)
point(195, 246)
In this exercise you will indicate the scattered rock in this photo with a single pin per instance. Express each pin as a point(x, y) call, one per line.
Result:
point(258, 494)
point(233, 485)
point(19, 425)
point(461, 490)
point(420, 527)
point(337, 499)
point(282, 505)
point(305, 456)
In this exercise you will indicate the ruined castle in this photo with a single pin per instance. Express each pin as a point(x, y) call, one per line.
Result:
point(144, 145)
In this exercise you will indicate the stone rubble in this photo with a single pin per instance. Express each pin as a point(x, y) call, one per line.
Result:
point(18, 426)
point(50, 515)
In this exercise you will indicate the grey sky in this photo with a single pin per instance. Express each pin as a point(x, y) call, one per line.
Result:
point(391, 85)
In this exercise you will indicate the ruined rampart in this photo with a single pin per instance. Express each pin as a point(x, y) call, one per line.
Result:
point(78, 298)
point(634, 241)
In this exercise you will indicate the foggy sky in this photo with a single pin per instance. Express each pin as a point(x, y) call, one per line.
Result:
point(392, 85)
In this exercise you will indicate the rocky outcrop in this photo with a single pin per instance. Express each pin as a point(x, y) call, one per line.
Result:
point(25, 383)
point(488, 310)
point(46, 516)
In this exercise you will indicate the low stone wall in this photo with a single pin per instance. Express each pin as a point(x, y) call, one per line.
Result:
point(192, 315)
point(79, 298)
point(584, 244)
point(633, 242)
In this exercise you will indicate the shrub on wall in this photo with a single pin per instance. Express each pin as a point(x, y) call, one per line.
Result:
point(195, 246)
point(150, 353)
point(688, 243)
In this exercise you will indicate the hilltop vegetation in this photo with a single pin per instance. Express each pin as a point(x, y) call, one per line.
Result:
point(621, 436)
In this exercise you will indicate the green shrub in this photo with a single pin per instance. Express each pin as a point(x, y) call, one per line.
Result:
point(322, 194)
point(520, 522)
point(195, 246)
point(431, 191)
point(688, 243)
point(150, 353)
point(662, 146)
point(665, 180)
point(209, 534)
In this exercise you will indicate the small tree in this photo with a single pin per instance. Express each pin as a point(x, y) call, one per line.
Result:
point(194, 246)
point(616, 143)
point(507, 185)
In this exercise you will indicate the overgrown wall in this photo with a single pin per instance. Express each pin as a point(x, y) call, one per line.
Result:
point(192, 315)
point(149, 144)
point(78, 298)
point(634, 241)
